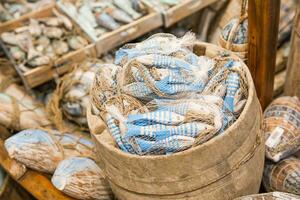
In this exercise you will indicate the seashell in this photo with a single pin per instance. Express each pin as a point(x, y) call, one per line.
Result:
point(40, 60)
point(64, 20)
point(9, 38)
point(81, 178)
point(60, 47)
point(34, 28)
point(283, 176)
point(103, 19)
point(270, 196)
point(77, 42)
point(17, 53)
point(43, 150)
point(125, 5)
point(36, 149)
point(282, 128)
point(43, 41)
point(53, 32)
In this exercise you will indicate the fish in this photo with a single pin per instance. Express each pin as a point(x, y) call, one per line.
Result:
point(166, 146)
point(161, 131)
point(138, 89)
point(155, 117)
point(39, 60)
point(42, 150)
point(105, 20)
point(233, 83)
point(81, 178)
point(119, 15)
point(77, 42)
point(126, 6)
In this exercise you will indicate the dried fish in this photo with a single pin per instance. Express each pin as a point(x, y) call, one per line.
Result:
point(42, 150)
point(125, 5)
point(107, 21)
point(119, 15)
point(34, 28)
point(81, 178)
point(77, 42)
point(38, 61)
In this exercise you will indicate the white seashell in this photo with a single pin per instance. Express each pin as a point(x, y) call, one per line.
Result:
point(81, 178)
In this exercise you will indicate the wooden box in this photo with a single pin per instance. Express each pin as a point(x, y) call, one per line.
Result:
point(44, 73)
point(126, 33)
point(14, 22)
point(182, 10)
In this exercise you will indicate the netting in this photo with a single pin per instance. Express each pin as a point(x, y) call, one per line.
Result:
point(161, 98)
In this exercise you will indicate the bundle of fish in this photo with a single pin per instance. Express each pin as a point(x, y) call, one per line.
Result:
point(71, 97)
point(283, 176)
point(282, 128)
point(163, 5)
point(13, 9)
point(270, 196)
point(163, 98)
point(97, 17)
point(68, 156)
point(18, 110)
point(42, 41)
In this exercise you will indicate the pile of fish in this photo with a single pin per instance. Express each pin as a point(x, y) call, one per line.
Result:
point(97, 17)
point(282, 132)
point(42, 41)
point(13, 9)
point(161, 98)
point(71, 97)
point(68, 156)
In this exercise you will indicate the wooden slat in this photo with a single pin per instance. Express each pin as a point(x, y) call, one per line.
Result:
point(263, 18)
point(180, 11)
point(35, 183)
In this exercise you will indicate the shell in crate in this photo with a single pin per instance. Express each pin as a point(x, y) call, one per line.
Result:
point(283, 176)
point(282, 128)
point(270, 196)
point(191, 173)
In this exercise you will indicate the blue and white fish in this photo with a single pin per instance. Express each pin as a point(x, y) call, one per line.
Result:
point(160, 131)
point(155, 117)
point(166, 146)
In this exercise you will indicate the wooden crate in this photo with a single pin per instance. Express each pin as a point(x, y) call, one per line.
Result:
point(126, 33)
point(180, 11)
point(9, 25)
point(42, 74)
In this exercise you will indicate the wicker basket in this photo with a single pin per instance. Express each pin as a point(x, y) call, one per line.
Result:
point(228, 166)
